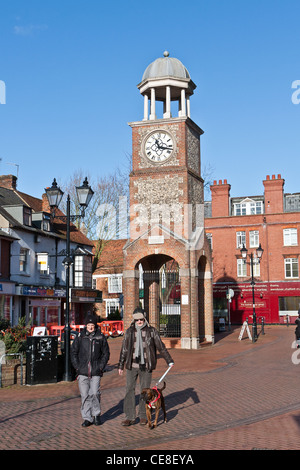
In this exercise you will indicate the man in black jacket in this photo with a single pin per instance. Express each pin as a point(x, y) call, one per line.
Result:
point(89, 356)
point(139, 356)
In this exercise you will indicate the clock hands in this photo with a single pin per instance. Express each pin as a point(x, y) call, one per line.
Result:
point(162, 147)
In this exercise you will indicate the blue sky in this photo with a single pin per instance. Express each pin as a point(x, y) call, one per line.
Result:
point(71, 68)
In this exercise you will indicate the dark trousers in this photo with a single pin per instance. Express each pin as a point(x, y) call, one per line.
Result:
point(145, 378)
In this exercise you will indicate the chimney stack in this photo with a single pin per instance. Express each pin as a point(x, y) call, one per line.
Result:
point(45, 204)
point(220, 199)
point(273, 194)
point(8, 181)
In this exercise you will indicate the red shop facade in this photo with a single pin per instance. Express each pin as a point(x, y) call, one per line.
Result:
point(275, 302)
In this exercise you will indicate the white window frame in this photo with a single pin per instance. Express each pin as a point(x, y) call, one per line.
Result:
point(256, 267)
point(253, 239)
point(290, 237)
point(248, 207)
point(24, 260)
point(241, 268)
point(43, 263)
point(82, 271)
point(115, 283)
point(109, 303)
point(240, 239)
point(291, 263)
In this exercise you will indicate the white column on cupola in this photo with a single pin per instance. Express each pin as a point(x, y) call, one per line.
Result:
point(182, 108)
point(152, 105)
point(146, 108)
point(188, 106)
point(167, 104)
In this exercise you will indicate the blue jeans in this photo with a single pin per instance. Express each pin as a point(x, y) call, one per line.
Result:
point(145, 378)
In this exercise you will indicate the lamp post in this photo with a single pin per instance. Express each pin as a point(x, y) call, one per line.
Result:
point(54, 195)
point(259, 252)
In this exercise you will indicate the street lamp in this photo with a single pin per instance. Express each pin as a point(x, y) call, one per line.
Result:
point(54, 195)
point(259, 252)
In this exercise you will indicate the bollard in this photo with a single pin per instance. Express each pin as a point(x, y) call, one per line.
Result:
point(287, 320)
point(262, 325)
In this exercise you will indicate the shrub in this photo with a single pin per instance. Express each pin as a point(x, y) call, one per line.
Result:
point(14, 337)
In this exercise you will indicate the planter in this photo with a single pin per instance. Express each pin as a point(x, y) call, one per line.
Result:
point(11, 372)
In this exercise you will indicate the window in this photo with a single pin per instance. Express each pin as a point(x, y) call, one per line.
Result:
point(43, 266)
point(256, 207)
point(24, 260)
point(240, 239)
point(27, 215)
point(46, 223)
point(248, 207)
point(111, 306)
point(256, 267)
point(291, 268)
point(289, 305)
point(290, 237)
point(254, 238)
point(83, 271)
point(115, 284)
point(239, 209)
point(241, 268)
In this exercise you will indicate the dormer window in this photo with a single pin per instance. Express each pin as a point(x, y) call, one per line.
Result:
point(248, 207)
point(27, 216)
point(41, 220)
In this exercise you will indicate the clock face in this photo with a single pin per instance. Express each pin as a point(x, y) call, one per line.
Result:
point(158, 146)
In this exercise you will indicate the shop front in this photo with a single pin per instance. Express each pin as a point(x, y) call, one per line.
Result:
point(7, 292)
point(82, 303)
point(275, 302)
point(43, 306)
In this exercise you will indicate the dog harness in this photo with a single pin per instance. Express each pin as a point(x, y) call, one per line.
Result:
point(151, 403)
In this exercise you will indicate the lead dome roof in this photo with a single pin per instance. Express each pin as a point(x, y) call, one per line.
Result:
point(166, 67)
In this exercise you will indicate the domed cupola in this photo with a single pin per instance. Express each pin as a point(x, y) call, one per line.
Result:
point(166, 79)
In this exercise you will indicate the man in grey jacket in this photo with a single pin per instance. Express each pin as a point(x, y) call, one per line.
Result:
point(138, 356)
point(89, 356)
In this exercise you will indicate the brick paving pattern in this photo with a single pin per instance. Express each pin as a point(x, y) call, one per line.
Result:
point(233, 395)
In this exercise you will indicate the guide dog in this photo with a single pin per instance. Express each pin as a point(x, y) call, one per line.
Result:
point(154, 400)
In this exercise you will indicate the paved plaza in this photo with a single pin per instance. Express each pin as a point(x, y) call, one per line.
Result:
point(234, 395)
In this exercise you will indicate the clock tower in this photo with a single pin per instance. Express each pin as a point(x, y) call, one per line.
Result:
point(167, 210)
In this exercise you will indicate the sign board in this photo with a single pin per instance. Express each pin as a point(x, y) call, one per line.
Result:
point(39, 331)
point(245, 327)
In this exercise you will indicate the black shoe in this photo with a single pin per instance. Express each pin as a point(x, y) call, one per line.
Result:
point(97, 420)
point(86, 423)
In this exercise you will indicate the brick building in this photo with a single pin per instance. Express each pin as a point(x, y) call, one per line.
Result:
point(271, 220)
point(167, 264)
point(108, 278)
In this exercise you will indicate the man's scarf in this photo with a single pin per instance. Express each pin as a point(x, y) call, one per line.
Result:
point(139, 350)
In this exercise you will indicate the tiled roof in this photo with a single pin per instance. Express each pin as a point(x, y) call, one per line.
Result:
point(111, 255)
point(11, 197)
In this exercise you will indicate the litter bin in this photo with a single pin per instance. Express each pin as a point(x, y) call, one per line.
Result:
point(41, 359)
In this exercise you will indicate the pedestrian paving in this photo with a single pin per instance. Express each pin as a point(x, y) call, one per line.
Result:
point(234, 395)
